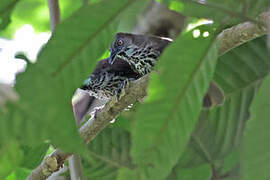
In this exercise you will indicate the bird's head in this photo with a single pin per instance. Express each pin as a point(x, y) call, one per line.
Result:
point(128, 43)
point(120, 43)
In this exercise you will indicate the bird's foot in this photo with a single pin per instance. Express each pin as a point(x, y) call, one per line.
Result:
point(121, 90)
point(96, 111)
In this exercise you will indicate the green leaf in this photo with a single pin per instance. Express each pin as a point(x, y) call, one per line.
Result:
point(6, 8)
point(44, 111)
point(19, 174)
point(33, 155)
point(255, 157)
point(223, 11)
point(108, 152)
point(39, 16)
point(10, 158)
point(164, 123)
point(201, 173)
point(220, 130)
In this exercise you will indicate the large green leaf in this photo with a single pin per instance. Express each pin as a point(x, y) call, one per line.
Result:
point(6, 8)
point(220, 130)
point(164, 123)
point(225, 11)
point(33, 155)
point(10, 158)
point(108, 152)
point(255, 157)
point(19, 174)
point(45, 89)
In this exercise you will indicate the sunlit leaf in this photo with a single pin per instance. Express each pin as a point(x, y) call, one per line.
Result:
point(19, 174)
point(229, 11)
point(164, 123)
point(6, 8)
point(255, 158)
point(10, 158)
point(220, 130)
point(46, 88)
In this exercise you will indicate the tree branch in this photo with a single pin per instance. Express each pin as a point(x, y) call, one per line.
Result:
point(54, 13)
point(228, 39)
point(241, 33)
point(75, 167)
point(91, 128)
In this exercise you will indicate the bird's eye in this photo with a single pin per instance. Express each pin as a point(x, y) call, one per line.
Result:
point(120, 42)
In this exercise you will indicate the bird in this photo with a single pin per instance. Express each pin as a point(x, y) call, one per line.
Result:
point(132, 56)
point(108, 80)
point(141, 52)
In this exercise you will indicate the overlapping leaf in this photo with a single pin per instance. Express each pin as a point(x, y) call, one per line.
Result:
point(164, 124)
point(6, 8)
point(108, 152)
point(226, 11)
point(255, 157)
point(220, 130)
point(45, 89)
point(11, 157)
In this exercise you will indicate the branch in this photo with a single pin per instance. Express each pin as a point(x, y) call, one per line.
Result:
point(111, 110)
point(54, 13)
point(52, 163)
point(228, 39)
point(49, 165)
point(242, 33)
point(75, 167)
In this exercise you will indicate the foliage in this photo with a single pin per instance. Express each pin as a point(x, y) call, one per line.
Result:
point(255, 155)
point(6, 7)
point(170, 135)
point(229, 11)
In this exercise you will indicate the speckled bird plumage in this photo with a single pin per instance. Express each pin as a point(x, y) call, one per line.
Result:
point(141, 52)
point(108, 80)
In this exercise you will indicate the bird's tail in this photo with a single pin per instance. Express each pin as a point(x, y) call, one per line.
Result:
point(84, 104)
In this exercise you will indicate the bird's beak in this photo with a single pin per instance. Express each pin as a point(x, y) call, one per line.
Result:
point(112, 57)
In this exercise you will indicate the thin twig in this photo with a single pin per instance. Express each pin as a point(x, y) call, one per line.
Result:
point(75, 167)
point(54, 13)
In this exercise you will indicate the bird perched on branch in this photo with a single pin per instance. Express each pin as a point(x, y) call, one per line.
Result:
point(141, 52)
point(132, 56)
point(106, 81)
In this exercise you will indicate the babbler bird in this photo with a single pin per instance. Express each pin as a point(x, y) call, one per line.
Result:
point(140, 51)
point(109, 80)
point(106, 81)
point(132, 56)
